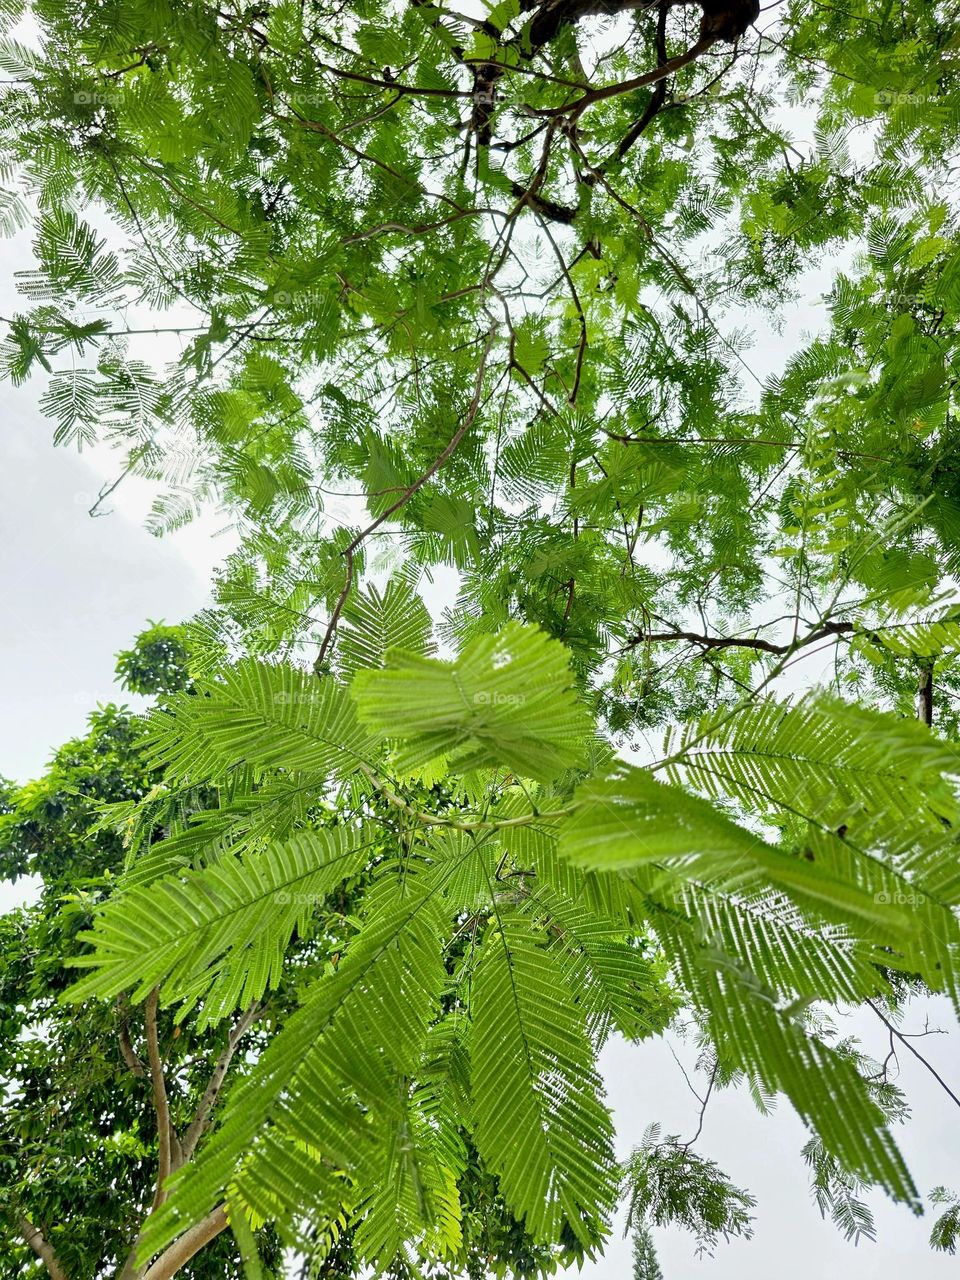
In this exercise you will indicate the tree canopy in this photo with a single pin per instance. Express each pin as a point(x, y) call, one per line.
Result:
point(469, 293)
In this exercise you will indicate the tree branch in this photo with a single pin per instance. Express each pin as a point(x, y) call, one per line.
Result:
point(703, 1107)
point(187, 1245)
point(601, 92)
point(44, 1250)
point(743, 642)
point(393, 85)
point(904, 1040)
point(128, 1054)
point(201, 1119)
point(925, 693)
point(441, 458)
point(746, 441)
point(659, 94)
point(541, 205)
point(165, 1135)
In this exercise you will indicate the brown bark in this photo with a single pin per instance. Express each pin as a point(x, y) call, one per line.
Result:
point(925, 695)
point(169, 1147)
point(201, 1120)
point(41, 1247)
point(187, 1246)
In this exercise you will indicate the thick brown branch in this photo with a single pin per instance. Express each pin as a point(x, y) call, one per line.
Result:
point(925, 694)
point(552, 16)
point(187, 1246)
point(659, 94)
point(41, 1247)
point(541, 205)
point(743, 642)
point(602, 92)
point(127, 1053)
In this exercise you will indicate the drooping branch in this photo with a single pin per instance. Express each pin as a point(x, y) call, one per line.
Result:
point(42, 1247)
point(904, 1040)
point(703, 1107)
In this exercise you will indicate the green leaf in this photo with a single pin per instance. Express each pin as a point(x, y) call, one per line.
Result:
point(629, 818)
point(218, 935)
point(539, 1121)
point(268, 716)
point(507, 700)
point(375, 622)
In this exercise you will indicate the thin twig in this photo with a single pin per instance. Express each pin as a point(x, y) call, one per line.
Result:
point(703, 1107)
point(438, 462)
point(201, 1119)
point(904, 1040)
